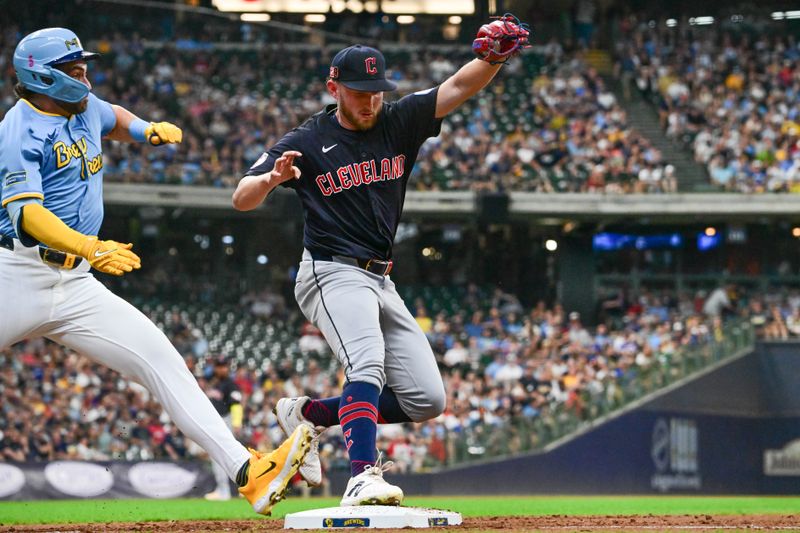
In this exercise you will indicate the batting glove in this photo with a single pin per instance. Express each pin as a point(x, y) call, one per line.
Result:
point(110, 257)
point(163, 133)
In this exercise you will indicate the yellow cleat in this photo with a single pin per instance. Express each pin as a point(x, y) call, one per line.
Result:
point(270, 473)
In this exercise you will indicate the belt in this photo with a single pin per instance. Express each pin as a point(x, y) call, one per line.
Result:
point(6, 242)
point(375, 266)
point(50, 256)
point(60, 259)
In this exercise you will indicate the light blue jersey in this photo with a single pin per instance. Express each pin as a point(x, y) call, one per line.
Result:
point(56, 160)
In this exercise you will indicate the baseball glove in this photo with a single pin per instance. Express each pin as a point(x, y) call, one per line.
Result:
point(502, 39)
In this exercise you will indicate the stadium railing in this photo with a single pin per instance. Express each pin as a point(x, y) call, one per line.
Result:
point(587, 206)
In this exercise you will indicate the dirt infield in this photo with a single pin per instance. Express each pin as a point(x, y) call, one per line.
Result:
point(501, 523)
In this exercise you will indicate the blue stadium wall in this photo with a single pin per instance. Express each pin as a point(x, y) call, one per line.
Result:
point(734, 430)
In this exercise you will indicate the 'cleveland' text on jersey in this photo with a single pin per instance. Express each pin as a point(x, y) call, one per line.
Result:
point(362, 173)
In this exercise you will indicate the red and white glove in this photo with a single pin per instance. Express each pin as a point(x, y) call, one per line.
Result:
point(502, 39)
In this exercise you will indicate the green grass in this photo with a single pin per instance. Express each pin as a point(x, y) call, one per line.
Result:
point(81, 511)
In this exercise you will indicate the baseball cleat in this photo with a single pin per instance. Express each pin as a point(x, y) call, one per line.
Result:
point(369, 488)
point(270, 473)
point(290, 415)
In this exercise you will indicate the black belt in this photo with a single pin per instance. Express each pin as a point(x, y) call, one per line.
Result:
point(48, 255)
point(376, 266)
point(6, 242)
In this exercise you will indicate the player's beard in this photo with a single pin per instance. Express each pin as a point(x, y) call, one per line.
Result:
point(357, 120)
point(73, 108)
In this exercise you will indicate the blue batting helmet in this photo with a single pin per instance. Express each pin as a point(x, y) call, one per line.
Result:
point(37, 54)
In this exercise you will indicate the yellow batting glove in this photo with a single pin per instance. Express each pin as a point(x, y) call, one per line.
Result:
point(110, 257)
point(163, 133)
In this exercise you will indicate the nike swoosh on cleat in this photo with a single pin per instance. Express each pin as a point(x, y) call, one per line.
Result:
point(326, 149)
point(272, 466)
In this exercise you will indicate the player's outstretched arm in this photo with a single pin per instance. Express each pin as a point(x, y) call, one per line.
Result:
point(463, 85)
point(496, 43)
point(130, 128)
point(252, 190)
point(110, 257)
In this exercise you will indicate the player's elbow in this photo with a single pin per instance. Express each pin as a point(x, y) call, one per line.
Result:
point(250, 192)
point(237, 202)
point(242, 201)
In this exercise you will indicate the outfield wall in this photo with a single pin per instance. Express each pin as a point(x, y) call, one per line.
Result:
point(82, 479)
point(734, 430)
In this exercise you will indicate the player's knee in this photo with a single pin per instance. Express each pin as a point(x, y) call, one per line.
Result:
point(438, 403)
point(435, 404)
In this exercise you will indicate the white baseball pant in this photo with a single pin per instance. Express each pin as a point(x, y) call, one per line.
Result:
point(72, 308)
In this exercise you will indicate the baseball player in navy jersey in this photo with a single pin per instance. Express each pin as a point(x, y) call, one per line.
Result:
point(350, 165)
point(51, 184)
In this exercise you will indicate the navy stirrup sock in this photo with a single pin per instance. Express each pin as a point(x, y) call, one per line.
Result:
point(322, 412)
point(325, 412)
point(358, 416)
point(389, 411)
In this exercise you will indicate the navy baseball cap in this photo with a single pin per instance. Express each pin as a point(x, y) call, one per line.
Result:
point(361, 68)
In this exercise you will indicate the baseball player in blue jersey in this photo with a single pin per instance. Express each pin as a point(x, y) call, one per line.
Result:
point(350, 165)
point(51, 167)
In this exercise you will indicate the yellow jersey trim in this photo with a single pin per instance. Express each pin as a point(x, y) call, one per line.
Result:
point(20, 196)
point(43, 112)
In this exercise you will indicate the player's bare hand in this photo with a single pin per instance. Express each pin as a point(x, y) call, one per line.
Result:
point(110, 257)
point(158, 133)
point(284, 169)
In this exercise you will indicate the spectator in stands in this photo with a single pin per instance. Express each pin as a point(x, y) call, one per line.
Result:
point(718, 301)
point(775, 327)
point(576, 333)
point(311, 340)
point(13, 446)
point(457, 356)
point(424, 321)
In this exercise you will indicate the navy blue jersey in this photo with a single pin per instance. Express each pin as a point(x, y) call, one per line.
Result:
point(353, 183)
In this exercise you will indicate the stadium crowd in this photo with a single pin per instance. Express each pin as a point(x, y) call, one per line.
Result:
point(571, 135)
point(732, 98)
point(500, 361)
point(547, 124)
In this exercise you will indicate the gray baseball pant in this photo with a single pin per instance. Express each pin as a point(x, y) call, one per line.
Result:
point(371, 331)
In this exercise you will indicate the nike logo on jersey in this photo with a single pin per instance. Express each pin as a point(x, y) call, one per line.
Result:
point(98, 253)
point(326, 149)
point(272, 466)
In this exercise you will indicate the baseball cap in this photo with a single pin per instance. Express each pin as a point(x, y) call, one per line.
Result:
point(361, 68)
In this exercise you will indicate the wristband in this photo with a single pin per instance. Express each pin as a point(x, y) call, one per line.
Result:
point(137, 129)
